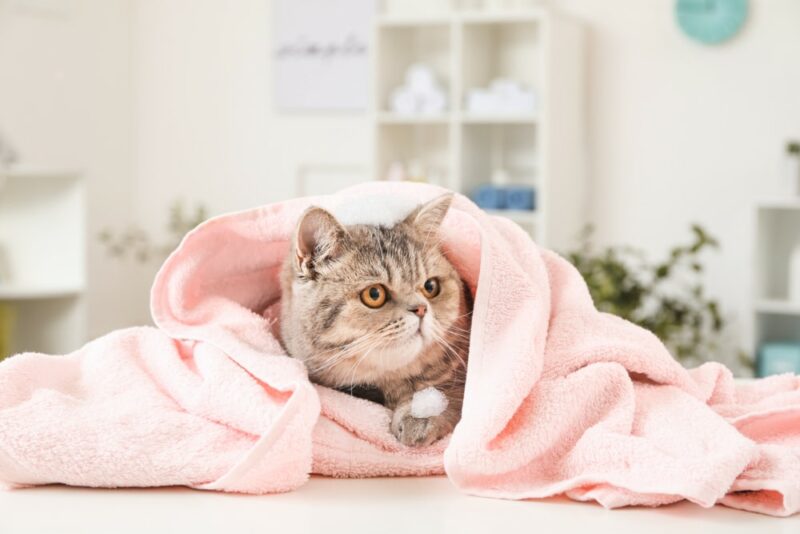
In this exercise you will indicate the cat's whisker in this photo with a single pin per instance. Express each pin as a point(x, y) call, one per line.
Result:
point(456, 337)
point(347, 351)
point(352, 380)
point(361, 348)
point(359, 344)
point(347, 354)
point(361, 360)
point(453, 331)
point(449, 350)
point(455, 334)
point(453, 358)
point(457, 317)
point(342, 354)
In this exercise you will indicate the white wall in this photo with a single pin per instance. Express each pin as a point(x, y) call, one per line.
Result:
point(156, 101)
point(65, 102)
point(207, 127)
point(680, 132)
point(683, 132)
point(163, 100)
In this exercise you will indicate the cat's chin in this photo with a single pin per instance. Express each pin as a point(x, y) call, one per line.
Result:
point(401, 353)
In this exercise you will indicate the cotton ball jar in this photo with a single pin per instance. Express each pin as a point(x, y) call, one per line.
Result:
point(428, 402)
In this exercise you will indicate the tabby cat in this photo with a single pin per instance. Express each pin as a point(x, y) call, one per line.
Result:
point(379, 312)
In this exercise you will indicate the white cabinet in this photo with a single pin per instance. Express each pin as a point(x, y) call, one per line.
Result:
point(776, 313)
point(42, 260)
point(543, 147)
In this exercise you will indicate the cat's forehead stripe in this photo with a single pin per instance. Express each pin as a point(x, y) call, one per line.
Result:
point(383, 255)
point(396, 255)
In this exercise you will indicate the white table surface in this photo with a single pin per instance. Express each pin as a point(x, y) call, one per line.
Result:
point(378, 506)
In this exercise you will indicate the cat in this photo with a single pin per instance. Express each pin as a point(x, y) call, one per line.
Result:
point(379, 312)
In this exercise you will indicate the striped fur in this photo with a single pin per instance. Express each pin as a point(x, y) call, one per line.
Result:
point(383, 354)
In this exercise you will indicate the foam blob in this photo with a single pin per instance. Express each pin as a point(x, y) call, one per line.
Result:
point(377, 209)
point(428, 402)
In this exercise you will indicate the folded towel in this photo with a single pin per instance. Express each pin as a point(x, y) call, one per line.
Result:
point(560, 399)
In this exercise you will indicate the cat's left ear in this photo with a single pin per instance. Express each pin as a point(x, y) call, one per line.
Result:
point(319, 238)
point(429, 216)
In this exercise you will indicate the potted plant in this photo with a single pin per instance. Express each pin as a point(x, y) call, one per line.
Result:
point(137, 243)
point(666, 297)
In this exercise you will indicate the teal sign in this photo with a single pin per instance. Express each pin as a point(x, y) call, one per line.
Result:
point(710, 21)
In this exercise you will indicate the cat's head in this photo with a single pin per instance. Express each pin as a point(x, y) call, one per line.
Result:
point(365, 300)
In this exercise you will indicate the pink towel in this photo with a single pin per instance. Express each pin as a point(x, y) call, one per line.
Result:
point(560, 399)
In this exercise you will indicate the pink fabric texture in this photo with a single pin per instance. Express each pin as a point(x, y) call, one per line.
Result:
point(560, 399)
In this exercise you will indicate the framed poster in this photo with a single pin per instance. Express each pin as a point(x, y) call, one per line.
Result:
point(321, 54)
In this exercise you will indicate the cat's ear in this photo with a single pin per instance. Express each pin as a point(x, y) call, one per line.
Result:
point(319, 237)
point(429, 216)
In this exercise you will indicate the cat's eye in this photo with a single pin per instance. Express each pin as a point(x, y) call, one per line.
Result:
point(374, 296)
point(431, 287)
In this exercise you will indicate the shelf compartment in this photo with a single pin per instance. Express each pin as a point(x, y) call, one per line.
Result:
point(400, 46)
point(49, 326)
point(777, 328)
point(487, 147)
point(427, 144)
point(42, 231)
point(42, 259)
point(492, 49)
point(778, 235)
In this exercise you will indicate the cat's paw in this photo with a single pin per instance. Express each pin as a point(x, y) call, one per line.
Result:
point(418, 432)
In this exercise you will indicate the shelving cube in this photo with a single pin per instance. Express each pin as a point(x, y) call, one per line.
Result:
point(544, 149)
point(42, 259)
point(776, 318)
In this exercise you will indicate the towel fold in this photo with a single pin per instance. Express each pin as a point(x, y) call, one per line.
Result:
point(559, 399)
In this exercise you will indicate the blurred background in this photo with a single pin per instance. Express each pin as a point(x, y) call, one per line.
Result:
point(654, 143)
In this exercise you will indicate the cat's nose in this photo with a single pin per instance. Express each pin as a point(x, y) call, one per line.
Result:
point(420, 310)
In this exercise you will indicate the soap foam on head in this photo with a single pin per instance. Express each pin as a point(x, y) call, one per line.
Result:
point(375, 210)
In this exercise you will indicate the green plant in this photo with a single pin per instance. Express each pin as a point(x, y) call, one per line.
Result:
point(793, 147)
point(666, 297)
point(138, 244)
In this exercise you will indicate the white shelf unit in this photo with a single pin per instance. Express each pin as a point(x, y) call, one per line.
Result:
point(42, 259)
point(776, 316)
point(537, 47)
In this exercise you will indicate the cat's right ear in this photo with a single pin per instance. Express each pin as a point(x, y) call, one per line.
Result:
point(319, 237)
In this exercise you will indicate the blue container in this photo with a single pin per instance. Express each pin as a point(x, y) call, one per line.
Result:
point(520, 197)
point(777, 358)
point(489, 197)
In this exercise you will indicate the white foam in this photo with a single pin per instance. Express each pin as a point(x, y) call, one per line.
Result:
point(376, 209)
point(428, 402)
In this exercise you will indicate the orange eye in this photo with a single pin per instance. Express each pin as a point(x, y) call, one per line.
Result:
point(374, 296)
point(431, 287)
